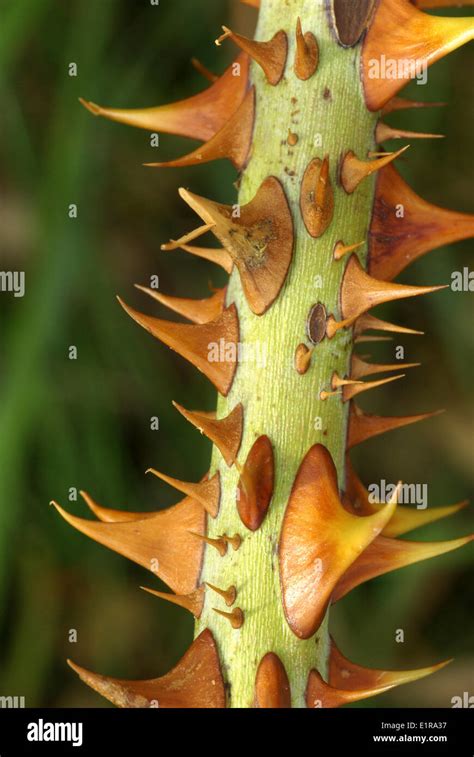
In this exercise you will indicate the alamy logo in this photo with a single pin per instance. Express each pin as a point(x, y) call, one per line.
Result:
point(11, 703)
point(41, 731)
point(409, 494)
point(398, 68)
point(13, 281)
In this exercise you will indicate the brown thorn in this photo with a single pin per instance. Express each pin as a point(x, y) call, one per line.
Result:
point(317, 197)
point(203, 70)
point(307, 53)
point(354, 170)
point(340, 249)
point(350, 392)
point(174, 244)
point(193, 602)
point(270, 56)
point(220, 543)
point(229, 595)
point(236, 617)
point(384, 132)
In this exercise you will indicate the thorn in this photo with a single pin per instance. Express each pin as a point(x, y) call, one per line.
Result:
point(400, 103)
point(260, 241)
point(317, 197)
point(367, 321)
point(218, 256)
point(306, 54)
point(360, 292)
point(107, 515)
point(207, 492)
point(192, 342)
point(319, 541)
point(345, 674)
point(396, 242)
point(236, 617)
point(385, 555)
point(232, 141)
point(234, 541)
point(361, 369)
point(363, 426)
point(337, 382)
point(226, 433)
point(193, 602)
point(323, 395)
point(340, 249)
point(270, 56)
point(197, 311)
point(195, 682)
point(350, 392)
point(333, 326)
point(353, 170)
point(160, 543)
point(383, 132)
point(174, 244)
point(198, 117)
point(220, 543)
point(229, 595)
point(421, 40)
point(203, 70)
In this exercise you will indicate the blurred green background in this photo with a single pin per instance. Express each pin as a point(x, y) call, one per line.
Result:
point(85, 423)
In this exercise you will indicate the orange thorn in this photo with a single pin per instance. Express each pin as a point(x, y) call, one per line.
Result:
point(306, 54)
point(360, 368)
point(368, 321)
point(174, 244)
point(270, 56)
point(363, 426)
point(234, 541)
point(421, 40)
point(198, 117)
point(218, 256)
point(333, 326)
point(354, 170)
point(193, 602)
point(220, 543)
point(226, 433)
point(193, 342)
point(395, 242)
point(360, 292)
point(340, 249)
point(260, 239)
point(197, 311)
point(401, 103)
point(203, 70)
point(229, 595)
point(207, 492)
point(350, 392)
point(383, 132)
point(233, 141)
point(236, 617)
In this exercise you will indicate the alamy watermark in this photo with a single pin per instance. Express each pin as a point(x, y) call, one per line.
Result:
point(13, 281)
point(237, 352)
point(398, 68)
point(409, 494)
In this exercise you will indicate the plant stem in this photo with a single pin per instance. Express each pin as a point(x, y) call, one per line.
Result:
point(328, 114)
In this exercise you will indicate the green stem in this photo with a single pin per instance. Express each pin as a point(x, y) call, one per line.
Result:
point(328, 114)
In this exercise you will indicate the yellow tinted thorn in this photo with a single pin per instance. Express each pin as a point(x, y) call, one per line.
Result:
point(226, 433)
point(270, 56)
point(349, 392)
point(197, 311)
point(207, 492)
point(383, 132)
point(235, 618)
point(354, 170)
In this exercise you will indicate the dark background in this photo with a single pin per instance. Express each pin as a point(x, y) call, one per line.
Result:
point(86, 423)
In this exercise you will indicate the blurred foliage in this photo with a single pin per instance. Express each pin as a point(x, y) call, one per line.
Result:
point(85, 423)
